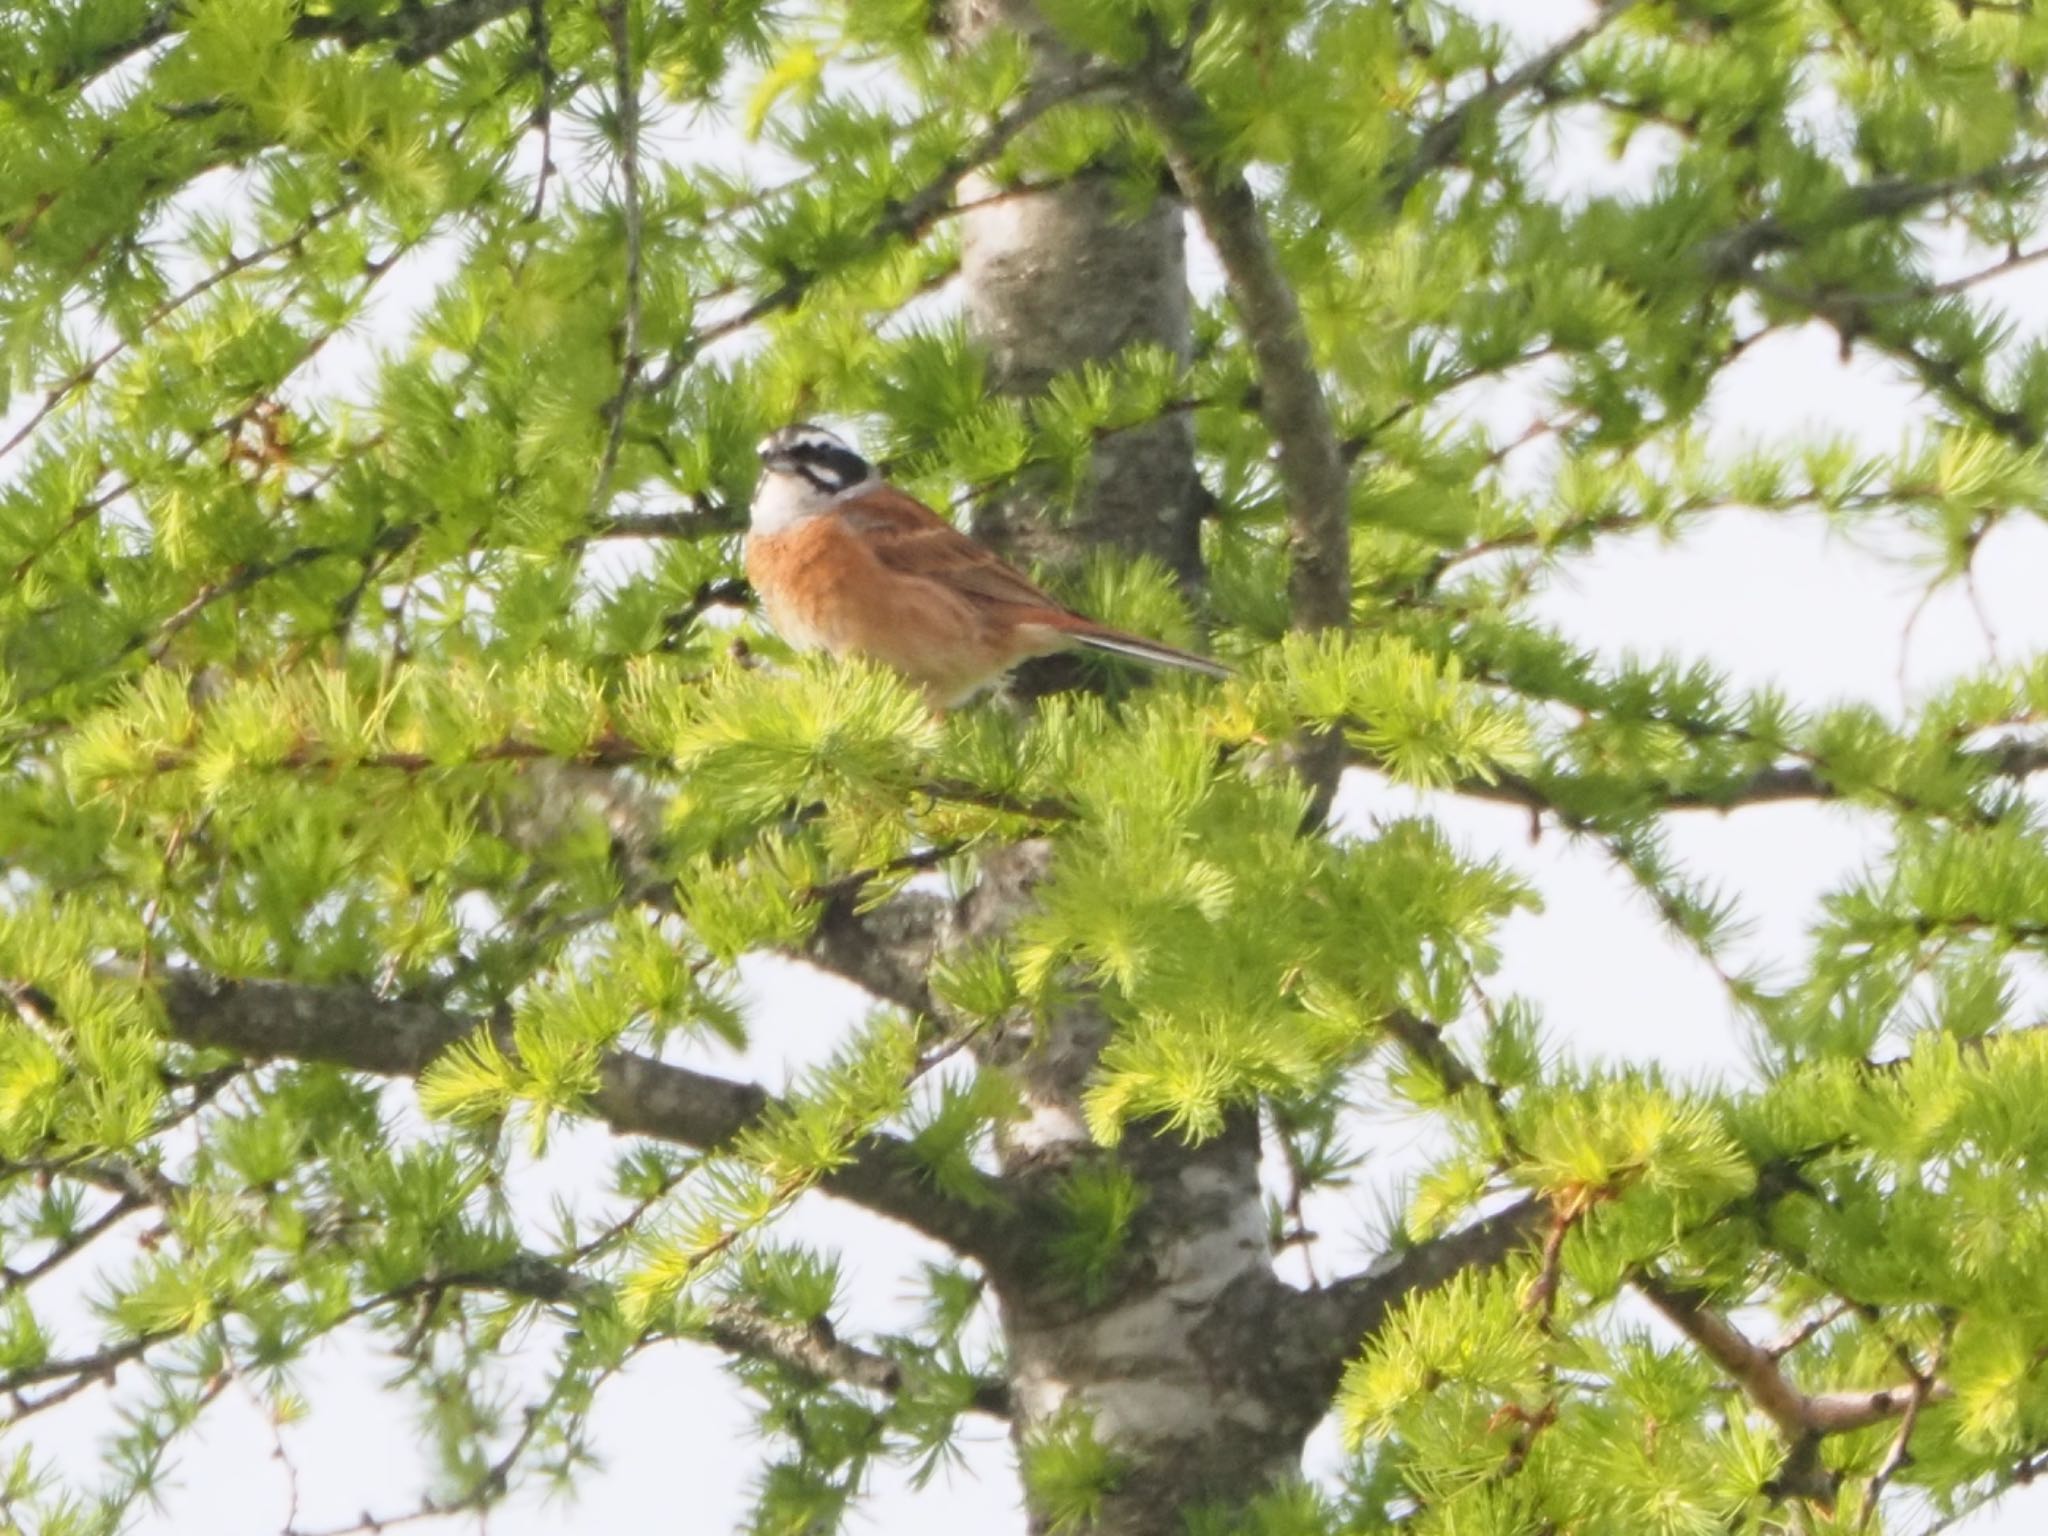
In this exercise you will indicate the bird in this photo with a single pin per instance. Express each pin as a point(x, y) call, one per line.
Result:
point(846, 563)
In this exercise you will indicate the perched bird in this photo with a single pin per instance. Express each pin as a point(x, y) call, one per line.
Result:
point(846, 563)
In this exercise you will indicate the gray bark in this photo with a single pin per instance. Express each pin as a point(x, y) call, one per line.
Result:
point(1182, 1369)
point(1064, 276)
point(1169, 1368)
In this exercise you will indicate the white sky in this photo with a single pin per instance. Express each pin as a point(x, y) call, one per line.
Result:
point(1773, 599)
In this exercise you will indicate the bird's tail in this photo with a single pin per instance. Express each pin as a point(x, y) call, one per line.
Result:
point(1151, 652)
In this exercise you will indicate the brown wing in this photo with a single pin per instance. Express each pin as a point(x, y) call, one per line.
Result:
point(907, 536)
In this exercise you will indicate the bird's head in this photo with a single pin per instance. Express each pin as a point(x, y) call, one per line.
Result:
point(820, 459)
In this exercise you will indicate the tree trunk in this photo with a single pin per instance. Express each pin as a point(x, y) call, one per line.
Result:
point(1071, 275)
point(1182, 1369)
point(1168, 1369)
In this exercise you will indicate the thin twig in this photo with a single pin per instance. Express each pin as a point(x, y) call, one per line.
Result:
point(1901, 1450)
point(899, 219)
point(1441, 140)
point(1296, 1233)
point(1795, 1338)
point(61, 391)
point(1540, 1300)
point(626, 88)
point(543, 112)
point(75, 1243)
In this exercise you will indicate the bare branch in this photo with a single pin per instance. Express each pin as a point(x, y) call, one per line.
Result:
point(662, 525)
point(2014, 759)
point(1901, 1450)
point(74, 1374)
point(886, 951)
point(818, 1353)
point(130, 1182)
point(1310, 458)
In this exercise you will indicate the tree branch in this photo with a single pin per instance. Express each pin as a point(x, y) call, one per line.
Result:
point(636, 1095)
point(903, 219)
point(1356, 1307)
point(1291, 399)
point(1774, 785)
point(1735, 252)
point(1442, 139)
point(154, 28)
point(626, 90)
point(1758, 1373)
point(1424, 1040)
point(420, 33)
point(813, 1351)
point(817, 1353)
point(1310, 457)
point(886, 951)
point(664, 525)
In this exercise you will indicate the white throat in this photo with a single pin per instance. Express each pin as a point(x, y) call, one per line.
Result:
point(783, 500)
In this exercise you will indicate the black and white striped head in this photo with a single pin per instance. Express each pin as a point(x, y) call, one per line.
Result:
point(804, 469)
point(820, 458)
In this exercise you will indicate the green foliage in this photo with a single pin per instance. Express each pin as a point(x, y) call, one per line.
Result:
point(366, 635)
point(1067, 1470)
point(1095, 1205)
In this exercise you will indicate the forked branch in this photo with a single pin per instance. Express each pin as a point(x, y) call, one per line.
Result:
point(1760, 1373)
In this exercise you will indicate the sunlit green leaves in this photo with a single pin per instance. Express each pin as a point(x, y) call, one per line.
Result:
point(1421, 720)
point(1472, 1335)
point(758, 743)
point(1067, 1468)
point(321, 664)
point(1621, 1133)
